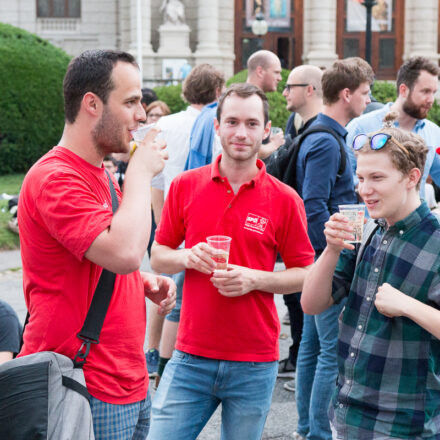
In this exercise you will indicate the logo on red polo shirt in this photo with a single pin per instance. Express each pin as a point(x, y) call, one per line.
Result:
point(255, 223)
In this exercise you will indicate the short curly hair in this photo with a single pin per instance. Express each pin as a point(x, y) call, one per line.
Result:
point(404, 161)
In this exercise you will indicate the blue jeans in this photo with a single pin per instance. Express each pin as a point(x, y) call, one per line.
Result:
point(121, 422)
point(174, 315)
point(316, 373)
point(192, 387)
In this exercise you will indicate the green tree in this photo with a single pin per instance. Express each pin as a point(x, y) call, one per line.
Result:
point(31, 98)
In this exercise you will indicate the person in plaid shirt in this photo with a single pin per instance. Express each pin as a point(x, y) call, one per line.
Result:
point(388, 349)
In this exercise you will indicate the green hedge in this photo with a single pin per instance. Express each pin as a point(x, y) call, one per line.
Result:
point(31, 100)
point(172, 96)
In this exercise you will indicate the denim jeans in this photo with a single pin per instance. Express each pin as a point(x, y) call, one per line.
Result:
point(192, 387)
point(316, 373)
point(174, 315)
point(121, 422)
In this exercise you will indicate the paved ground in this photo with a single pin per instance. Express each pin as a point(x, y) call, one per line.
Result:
point(282, 418)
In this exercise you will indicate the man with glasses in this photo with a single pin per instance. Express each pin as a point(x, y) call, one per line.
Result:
point(388, 347)
point(303, 93)
point(417, 84)
point(324, 182)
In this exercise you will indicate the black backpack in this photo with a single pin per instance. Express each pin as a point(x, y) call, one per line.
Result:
point(282, 163)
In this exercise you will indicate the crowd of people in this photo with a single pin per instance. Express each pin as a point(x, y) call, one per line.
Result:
point(364, 318)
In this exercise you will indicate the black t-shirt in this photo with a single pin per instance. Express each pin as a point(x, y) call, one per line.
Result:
point(10, 329)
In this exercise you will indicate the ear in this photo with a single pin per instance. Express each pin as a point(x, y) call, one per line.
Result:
point(414, 177)
point(92, 104)
point(216, 126)
point(259, 71)
point(404, 90)
point(267, 129)
point(345, 95)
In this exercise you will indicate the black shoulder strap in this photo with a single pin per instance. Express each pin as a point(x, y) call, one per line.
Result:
point(101, 299)
point(319, 128)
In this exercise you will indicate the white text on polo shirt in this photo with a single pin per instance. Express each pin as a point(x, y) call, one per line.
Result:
point(255, 223)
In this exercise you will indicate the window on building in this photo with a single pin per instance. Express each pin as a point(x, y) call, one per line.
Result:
point(58, 8)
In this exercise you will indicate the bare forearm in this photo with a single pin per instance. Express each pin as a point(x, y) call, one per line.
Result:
point(167, 260)
point(316, 293)
point(282, 282)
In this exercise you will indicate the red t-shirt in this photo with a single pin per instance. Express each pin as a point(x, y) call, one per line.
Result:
point(65, 203)
point(263, 218)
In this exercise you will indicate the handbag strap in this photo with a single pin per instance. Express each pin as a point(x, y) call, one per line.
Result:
point(94, 321)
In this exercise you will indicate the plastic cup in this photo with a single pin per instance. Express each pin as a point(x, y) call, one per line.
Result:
point(355, 215)
point(221, 245)
point(141, 132)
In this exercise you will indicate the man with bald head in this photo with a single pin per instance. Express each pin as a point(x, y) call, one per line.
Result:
point(264, 71)
point(303, 93)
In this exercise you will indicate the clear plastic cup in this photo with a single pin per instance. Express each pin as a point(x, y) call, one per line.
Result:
point(355, 215)
point(141, 132)
point(221, 244)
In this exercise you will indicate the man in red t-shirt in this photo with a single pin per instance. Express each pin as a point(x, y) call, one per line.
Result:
point(227, 343)
point(68, 234)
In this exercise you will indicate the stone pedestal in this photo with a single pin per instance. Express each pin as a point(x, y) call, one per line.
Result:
point(174, 41)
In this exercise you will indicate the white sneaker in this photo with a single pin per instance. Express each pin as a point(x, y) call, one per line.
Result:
point(297, 436)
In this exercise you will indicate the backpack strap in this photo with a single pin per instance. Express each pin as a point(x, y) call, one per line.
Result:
point(94, 321)
point(370, 229)
point(319, 128)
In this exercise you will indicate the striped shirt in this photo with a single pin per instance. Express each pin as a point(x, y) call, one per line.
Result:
point(389, 368)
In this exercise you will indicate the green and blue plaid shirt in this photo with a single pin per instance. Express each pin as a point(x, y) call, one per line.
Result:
point(389, 368)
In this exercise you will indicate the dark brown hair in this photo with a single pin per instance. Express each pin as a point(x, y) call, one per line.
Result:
point(244, 90)
point(348, 73)
point(410, 71)
point(90, 72)
point(414, 157)
point(201, 85)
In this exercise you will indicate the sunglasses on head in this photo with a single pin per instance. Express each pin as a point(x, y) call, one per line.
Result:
point(376, 142)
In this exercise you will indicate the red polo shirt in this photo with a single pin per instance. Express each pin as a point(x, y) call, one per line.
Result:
point(263, 218)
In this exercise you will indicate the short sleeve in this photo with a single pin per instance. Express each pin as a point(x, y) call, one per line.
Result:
point(171, 229)
point(294, 244)
point(73, 213)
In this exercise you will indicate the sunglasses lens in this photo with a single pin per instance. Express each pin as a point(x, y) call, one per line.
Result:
point(378, 141)
point(359, 141)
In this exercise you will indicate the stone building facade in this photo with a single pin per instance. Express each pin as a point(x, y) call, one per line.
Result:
point(217, 31)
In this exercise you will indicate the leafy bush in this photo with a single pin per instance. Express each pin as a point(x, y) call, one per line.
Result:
point(278, 113)
point(384, 91)
point(172, 96)
point(31, 99)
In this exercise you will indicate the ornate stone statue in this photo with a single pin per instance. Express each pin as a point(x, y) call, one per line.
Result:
point(173, 12)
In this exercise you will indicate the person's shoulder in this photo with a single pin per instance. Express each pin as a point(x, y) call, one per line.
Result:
point(368, 121)
point(432, 126)
point(194, 176)
point(279, 189)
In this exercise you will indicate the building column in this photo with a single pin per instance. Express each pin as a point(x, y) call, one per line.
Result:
point(421, 29)
point(147, 50)
point(320, 32)
point(208, 50)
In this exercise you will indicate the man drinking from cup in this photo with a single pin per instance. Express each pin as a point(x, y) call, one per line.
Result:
point(227, 343)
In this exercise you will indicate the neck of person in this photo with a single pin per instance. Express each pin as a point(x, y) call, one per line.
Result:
point(80, 142)
point(338, 112)
point(406, 122)
point(197, 106)
point(412, 203)
point(238, 172)
point(310, 111)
